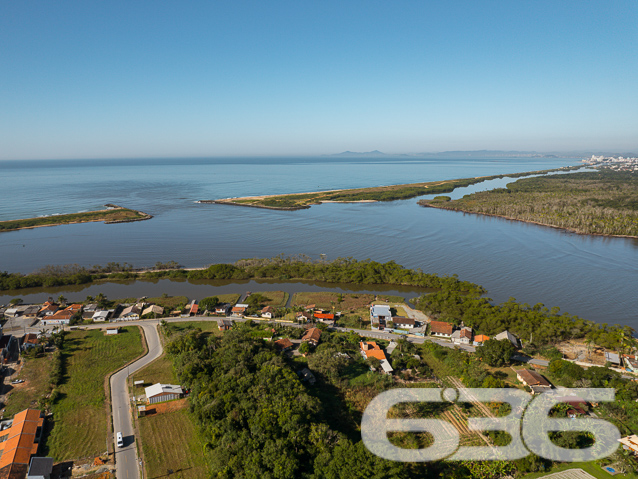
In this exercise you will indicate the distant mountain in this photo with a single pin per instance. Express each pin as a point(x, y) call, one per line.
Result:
point(480, 154)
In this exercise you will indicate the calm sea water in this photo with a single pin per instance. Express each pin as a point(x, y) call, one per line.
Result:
point(593, 277)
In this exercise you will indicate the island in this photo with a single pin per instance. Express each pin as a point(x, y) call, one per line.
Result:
point(298, 201)
point(603, 202)
point(112, 214)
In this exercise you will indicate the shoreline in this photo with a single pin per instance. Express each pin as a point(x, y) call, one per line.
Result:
point(60, 218)
point(510, 218)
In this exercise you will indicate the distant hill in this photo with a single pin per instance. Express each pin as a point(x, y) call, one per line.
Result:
point(479, 154)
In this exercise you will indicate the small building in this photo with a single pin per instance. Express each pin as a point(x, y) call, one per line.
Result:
point(462, 336)
point(40, 468)
point(630, 443)
point(48, 308)
point(536, 382)
point(29, 340)
point(31, 311)
point(153, 309)
point(310, 307)
point(306, 376)
point(441, 329)
point(380, 314)
point(506, 335)
point(194, 309)
point(222, 308)
point(239, 309)
point(101, 315)
point(162, 392)
point(283, 344)
point(312, 336)
point(613, 358)
point(131, 313)
point(224, 324)
point(401, 322)
point(303, 316)
point(480, 339)
point(11, 313)
point(113, 330)
point(324, 316)
point(268, 312)
point(60, 317)
point(141, 410)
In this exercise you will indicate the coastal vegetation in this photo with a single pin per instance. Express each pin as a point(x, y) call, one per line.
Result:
point(378, 193)
point(603, 202)
point(111, 215)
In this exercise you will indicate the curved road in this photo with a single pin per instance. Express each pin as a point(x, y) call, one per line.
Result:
point(126, 461)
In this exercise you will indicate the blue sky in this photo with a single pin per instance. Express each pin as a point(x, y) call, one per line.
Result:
point(201, 78)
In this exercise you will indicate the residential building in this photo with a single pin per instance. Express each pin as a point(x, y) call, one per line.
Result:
point(60, 317)
point(630, 443)
point(268, 312)
point(480, 339)
point(31, 311)
point(19, 442)
point(239, 309)
point(162, 392)
point(11, 313)
point(283, 344)
point(131, 313)
point(401, 322)
point(441, 329)
point(380, 314)
point(40, 468)
point(28, 341)
point(48, 308)
point(462, 336)
point(536, 382)
point(324, 316)
point(506, 335)
point(114, 330)
point(613, 358)
point(101, 315)
point(224, 324)
point(370, 349)
point(153, 309)
point(312, 336)
point(222, 308)
point(303, 316)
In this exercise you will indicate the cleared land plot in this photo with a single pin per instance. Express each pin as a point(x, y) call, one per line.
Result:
point(207, 326)
point(326, 300)
point(36, 373)
point(231, 298)
point(276, 299)
point(79, 416)
point(169, 441)
point(159, 371)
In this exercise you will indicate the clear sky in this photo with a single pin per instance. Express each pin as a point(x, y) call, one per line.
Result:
point(96, 79)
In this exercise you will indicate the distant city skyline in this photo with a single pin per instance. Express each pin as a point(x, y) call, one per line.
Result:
point(166, 79)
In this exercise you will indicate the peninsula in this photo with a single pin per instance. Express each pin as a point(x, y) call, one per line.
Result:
point(112, 214)
point(603, 202)
point(297, 201)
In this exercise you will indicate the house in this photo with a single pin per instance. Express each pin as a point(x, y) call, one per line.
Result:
point(114, 330)
point(480, 339)
point(324, 316)
point(441, 329)
point(89, 310)
point(11, 313)
point(370, 349)
point(303, 316)
point(380, 314)
point(29, 341)
point(31, 311)
point(153, 309)
point(268, 312)
point(74, 308)
point(613, 358)
point(224, 324)
point(194, 309)
point(401, 322)
point(60, 317)
point(131, 313)
point(630, 443)
point(306, 376)
point(506, 335)
point(40, 468)
point(239, 309)
point(536, 382)
point(19, 442)
point(283, 344)
point(312, 336)
point(102, 315)
point(48, 308)
point(631, 362)
point(310, 307)
point(222, 308)
point(162, 392)
point(462, 336)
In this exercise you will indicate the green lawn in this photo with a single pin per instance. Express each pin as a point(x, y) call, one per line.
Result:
point(80, 416)
point(170, 441)
point(276, 299)
point(208, 326)
point(590, 467)
point(36, 373)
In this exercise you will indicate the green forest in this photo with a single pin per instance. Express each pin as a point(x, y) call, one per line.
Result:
point(602, 202)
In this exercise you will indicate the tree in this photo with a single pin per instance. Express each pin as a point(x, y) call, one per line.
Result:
point(62, 300)
point(304, 348)
point(90, 299)
point(208, 303)
point(495, 353)
point(15, 301)
point(102, 300)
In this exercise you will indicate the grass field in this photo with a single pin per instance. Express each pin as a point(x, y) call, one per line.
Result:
point(276, 299)
point(159, 371)
point(117, 214)
point(590, 467)
point(209, 326)
point(36, 373)
point(231, 298)
point(169, 441)
point(79, 416)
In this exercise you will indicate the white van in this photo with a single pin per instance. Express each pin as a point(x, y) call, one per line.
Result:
point(120, 440)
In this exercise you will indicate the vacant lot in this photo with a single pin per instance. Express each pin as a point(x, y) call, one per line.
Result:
point(169, 441)
point(36, 373)
point(79, 416)
point(159, 371)
point(276, 299)
point(341, 302)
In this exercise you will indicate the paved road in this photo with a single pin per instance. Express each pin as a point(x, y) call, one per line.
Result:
point(126, 460)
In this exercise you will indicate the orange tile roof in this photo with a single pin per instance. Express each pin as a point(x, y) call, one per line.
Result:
point(441, 327)
point(372, 350)
point(313, 334)
point(19, 440)
point(481, 338)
